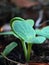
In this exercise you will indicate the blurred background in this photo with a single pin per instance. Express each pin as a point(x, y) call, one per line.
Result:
point(38, 10)
point(33, 9)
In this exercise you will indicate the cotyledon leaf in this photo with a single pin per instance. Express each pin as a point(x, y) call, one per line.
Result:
point(36, 40)
point(23, 30)
point(39, 40)
point(9, 48)
point(16, 19)
point(43, 32)
point(38, 31)
point(30, 21)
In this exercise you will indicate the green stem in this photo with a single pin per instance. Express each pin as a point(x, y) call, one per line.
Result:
point(6, 33)
point(25, 49)
point(29, 52)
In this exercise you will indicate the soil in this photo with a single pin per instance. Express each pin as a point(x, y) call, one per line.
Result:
point(41, 52)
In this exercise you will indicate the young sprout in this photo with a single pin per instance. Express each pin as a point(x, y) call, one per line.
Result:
point(26, 33)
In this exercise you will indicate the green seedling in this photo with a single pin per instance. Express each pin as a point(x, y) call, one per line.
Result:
point(23, 29)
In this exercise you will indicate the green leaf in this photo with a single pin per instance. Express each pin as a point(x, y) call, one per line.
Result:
point(9, 48)
point(36, 40)
point(39, 40)
point(23, 30)
point(16, 19)
point(15, 35)
point(43, 32)
point(30, 21)
point(38, 31)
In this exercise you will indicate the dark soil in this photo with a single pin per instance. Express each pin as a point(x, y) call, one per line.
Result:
point(40, 52)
